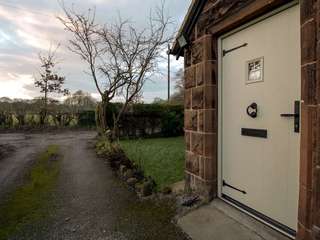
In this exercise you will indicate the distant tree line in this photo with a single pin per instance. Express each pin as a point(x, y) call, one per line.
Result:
point(76, 110)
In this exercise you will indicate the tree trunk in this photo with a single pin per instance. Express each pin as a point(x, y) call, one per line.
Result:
point(42, 116)
point(20, 118)
point(43, 113)
point(112, 135)
point(115, 134)
point(102, 115)
point(115, 131)
point(45, 104)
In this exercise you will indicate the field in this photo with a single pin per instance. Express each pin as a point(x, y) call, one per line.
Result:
point(161, 158)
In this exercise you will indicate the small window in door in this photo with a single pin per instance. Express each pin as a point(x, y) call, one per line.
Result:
point(254, 70)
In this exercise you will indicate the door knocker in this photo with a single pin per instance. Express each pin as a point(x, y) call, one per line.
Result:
point(252, 110)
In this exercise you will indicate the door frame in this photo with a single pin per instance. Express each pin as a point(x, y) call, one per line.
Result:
point(220, 118)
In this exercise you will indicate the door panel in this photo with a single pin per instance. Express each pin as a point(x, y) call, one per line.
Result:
point(265, 168)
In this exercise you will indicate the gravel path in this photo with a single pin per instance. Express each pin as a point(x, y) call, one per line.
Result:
point(90, 202)
point(13, 165)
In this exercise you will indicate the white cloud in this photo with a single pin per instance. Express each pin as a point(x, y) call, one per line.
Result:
point(12, 85)
point(33, 40)
point(4, 37)
point(37, 31)
point(33, 27)
point(96, 96)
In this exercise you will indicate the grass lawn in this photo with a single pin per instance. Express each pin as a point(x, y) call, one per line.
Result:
point(160, 158)
point(29, 202)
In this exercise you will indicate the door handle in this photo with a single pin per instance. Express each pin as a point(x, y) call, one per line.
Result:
point(289, 115)
point(252, 110)
point(295, 115)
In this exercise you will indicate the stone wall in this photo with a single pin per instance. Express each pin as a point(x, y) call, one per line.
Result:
point(309, 204)
point(200, 115)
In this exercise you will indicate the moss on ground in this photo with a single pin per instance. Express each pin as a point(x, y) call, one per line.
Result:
point(30, 202)
point(149, 219)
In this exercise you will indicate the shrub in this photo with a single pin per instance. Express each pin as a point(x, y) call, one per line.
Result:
point(148, 120)
point(172, 121)
point(87, 119)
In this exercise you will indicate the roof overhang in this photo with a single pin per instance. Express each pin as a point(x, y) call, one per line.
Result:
point(182, 38)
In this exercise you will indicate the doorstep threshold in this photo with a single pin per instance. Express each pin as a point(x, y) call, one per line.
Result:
point(221, 221)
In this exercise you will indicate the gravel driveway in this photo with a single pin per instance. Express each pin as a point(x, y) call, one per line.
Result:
point(89, 202)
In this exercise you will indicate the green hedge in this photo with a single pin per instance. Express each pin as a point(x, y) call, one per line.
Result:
point(142, 120)
point(87, 119)
point(29, 120)
point(172, 121)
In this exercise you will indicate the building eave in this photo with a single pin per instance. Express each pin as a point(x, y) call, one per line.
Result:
point(187, 26)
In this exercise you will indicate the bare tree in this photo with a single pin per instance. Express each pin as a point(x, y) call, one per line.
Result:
point(49, 81)
point(119, 54)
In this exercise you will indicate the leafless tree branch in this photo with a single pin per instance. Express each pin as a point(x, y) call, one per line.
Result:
point(123, 54)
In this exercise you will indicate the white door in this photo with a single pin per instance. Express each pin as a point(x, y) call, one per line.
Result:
point(260, 154)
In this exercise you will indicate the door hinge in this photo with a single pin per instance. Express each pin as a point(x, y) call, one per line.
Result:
point(225, 184)
point(225, 52)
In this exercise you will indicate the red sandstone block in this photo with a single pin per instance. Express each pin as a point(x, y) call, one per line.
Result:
point(316, 233)
point(208, 51)
point(187, 137)
point(208, 170)
point(201, 120)
point(309, 84)
point(206, 189)
point(308, 142)
point(198, 98)
point(304, 215)
point(206, 73)
point(188, 163)
point(197, 143)
point(317, 84)
point(308, 8)
point(187, 58)
point(210, 145)
point(210, 72)
point(201, 167)
point(190, 120)
point(203, 49)
point(303, 233)
point(187, 99)
point(210, 97)
point(210, 121)
point(207, 121)
point(316, 195)
point(308, 42)
point(192, 163)
point(200, 74)
point(189, 77)
point(197, 52)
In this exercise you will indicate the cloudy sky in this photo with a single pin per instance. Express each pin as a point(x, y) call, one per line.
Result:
point(28, 27)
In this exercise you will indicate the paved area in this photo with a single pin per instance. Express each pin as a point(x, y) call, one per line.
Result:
point(219, 221)
point(89, 202)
